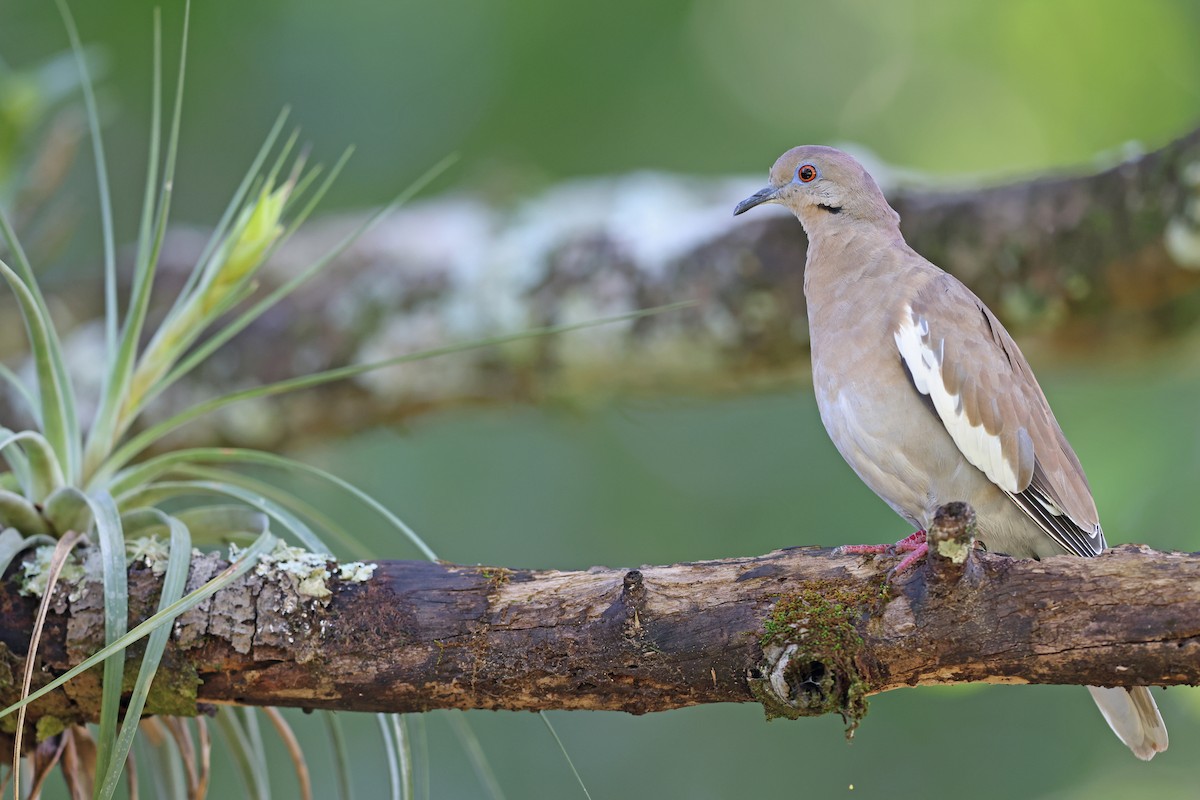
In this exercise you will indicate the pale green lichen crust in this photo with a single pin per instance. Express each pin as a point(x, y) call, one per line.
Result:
point(356, 571)
point(35, 573)
point(955, 550)
point(309, 572)
point(151, 551)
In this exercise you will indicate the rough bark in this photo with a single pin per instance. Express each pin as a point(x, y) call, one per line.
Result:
point(1104, 257)
point(804, 631)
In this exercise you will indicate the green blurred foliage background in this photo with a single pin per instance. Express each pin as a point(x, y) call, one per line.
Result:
point(538, 91)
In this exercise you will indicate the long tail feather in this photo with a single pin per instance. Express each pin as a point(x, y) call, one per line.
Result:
point(1134, 718)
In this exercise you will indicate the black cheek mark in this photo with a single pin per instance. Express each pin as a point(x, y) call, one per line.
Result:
point(830, 209)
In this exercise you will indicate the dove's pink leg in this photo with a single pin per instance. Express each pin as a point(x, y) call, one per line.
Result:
point(914, 545)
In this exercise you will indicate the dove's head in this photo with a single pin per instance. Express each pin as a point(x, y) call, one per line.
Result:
point(824, 188)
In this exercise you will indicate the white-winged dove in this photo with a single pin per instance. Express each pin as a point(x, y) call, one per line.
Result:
point(926, 395)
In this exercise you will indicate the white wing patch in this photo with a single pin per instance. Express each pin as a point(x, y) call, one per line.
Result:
point(924, 359)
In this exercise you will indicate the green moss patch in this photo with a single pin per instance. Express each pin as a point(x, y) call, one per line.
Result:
point(811, 642)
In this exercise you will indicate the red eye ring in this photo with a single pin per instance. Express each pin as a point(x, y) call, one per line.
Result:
point(806, 173)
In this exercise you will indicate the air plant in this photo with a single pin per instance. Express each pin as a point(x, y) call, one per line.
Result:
point(70, 495)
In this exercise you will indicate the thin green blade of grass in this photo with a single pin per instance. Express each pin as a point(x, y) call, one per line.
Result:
point(173, 585)
point(566, 755)
point(474, 750)
point(137, 444)
point(21, 264)
point(116, 622)
point(144, 473)
point(341, 760)
point(163, 490)
point(245, 561)
point(56, 412)
point(106, 215)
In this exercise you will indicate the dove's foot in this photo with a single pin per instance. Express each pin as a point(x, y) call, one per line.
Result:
point(914, 545)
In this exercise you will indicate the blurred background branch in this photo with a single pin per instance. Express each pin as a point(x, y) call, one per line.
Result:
point(1089, 261)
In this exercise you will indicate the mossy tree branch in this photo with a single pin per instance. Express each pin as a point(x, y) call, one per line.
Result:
point(1104, 255)
point(803, 630)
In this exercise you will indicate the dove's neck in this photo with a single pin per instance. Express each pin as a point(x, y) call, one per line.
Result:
point(857, 277)
point(849, 254)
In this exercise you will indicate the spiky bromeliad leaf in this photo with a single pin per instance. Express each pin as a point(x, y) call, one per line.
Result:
point(17, 512)
point(158, 492)
point(37, 457)
point(57, 409)
point(174, 582)
point(231, 329)
point(12, 544)
point(151, 230)
point(145, 473)
point(106, 215)
point(116, 622)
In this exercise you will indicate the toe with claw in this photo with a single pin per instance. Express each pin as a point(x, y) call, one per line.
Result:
point(914, 545)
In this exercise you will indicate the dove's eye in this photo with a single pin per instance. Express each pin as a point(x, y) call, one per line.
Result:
point(806, 173)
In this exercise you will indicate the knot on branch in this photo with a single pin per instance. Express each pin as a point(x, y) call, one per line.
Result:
point(811, 649)
point(633, 597)
point(951, 540)
point(628, 608)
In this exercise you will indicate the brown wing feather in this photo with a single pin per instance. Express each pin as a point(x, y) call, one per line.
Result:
point(983, 366)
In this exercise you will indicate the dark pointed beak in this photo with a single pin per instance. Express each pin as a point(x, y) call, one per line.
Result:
point(757, 199)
